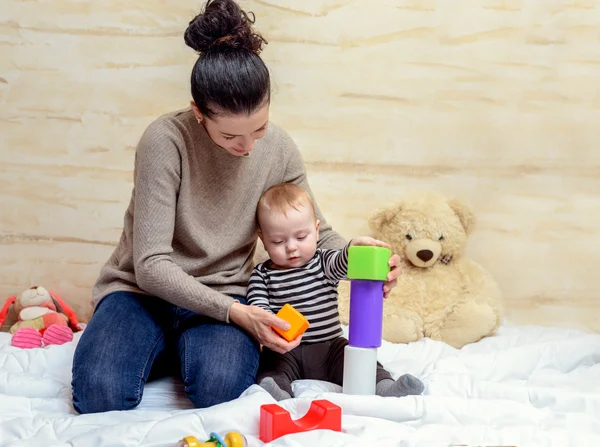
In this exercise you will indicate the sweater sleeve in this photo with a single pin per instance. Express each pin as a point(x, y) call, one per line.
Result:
point(335, 263)
point(157, 174)
point(258, 293)
point(295, 172)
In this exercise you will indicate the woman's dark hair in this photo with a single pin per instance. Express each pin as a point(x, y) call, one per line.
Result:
point(229, 76)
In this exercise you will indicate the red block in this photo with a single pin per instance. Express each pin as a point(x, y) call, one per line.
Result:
point(276, 422)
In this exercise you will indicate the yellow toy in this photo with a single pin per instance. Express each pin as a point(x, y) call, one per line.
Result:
point(298, 322)
point(232, 439)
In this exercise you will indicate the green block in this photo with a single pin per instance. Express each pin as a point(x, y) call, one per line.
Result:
point(368, 262)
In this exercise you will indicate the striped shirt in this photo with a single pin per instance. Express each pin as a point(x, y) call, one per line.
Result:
point(311, 289)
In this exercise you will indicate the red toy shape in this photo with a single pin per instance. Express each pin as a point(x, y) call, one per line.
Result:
point(276, 422)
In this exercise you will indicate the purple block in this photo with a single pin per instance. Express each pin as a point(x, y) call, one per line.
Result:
point(366, 313)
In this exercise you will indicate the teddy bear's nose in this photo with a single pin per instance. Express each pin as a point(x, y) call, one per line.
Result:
point(425, 255)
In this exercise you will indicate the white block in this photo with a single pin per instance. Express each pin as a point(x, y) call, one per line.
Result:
point(360, 370)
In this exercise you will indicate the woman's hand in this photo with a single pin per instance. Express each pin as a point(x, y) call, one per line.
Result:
point(258, 323)
point(394, 262)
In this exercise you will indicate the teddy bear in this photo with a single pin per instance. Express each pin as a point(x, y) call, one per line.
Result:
point(440, 294)
point(42, 319)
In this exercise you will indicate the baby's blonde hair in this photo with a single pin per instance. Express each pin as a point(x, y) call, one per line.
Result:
point(280, 198)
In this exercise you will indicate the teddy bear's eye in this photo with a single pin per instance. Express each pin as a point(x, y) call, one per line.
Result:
point(409, 237)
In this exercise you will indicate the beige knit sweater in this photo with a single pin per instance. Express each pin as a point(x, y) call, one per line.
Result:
point(189, 233)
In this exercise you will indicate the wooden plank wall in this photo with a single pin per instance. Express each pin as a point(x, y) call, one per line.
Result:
point(495, 102)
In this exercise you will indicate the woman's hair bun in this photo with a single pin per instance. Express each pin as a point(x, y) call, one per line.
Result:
point(223, 26)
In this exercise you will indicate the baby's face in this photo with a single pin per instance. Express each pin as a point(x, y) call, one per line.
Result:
point(290, 239)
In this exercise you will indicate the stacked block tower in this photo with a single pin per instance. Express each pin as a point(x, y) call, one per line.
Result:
point(367, 270)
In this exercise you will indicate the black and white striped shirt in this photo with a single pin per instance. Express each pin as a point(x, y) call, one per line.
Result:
point(311, 289)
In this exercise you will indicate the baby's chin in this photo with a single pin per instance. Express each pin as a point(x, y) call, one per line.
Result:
point(294, 263)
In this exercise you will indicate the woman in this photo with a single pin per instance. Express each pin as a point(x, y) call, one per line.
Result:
point(172, 293)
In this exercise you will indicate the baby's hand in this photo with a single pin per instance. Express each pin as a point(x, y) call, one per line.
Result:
point(366, 240)
point(394, 262)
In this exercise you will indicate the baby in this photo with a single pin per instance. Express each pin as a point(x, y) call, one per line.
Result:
point(306, 277)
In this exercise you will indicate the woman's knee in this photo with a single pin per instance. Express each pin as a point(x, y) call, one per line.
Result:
point(97, 389)
point(210, 387)
point(222, 376)
point(108, 371)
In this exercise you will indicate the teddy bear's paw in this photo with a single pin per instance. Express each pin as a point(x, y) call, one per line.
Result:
point(57, 335)
point(31, 313)
point(404, 328)
point(468, 323)
point(27, 338)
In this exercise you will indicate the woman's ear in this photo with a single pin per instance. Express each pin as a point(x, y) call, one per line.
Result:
point(196, 110)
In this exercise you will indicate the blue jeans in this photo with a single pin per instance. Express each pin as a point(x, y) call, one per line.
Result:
point(133, 338)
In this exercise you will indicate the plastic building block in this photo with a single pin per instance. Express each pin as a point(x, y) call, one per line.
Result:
point(276, 421)
point(298, 323)
point(366, 314)
point(368, 262)
point(360, 371)
point(367, 270)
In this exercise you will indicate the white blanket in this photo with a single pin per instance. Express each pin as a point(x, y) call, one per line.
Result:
point(526, 386)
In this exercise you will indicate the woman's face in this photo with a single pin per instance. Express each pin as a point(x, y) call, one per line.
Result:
point(236, 133)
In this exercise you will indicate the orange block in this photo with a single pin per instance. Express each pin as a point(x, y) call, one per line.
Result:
point(298, 323)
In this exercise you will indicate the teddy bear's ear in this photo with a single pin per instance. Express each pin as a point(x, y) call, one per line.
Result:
point(382, 217)
point(464, 213)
